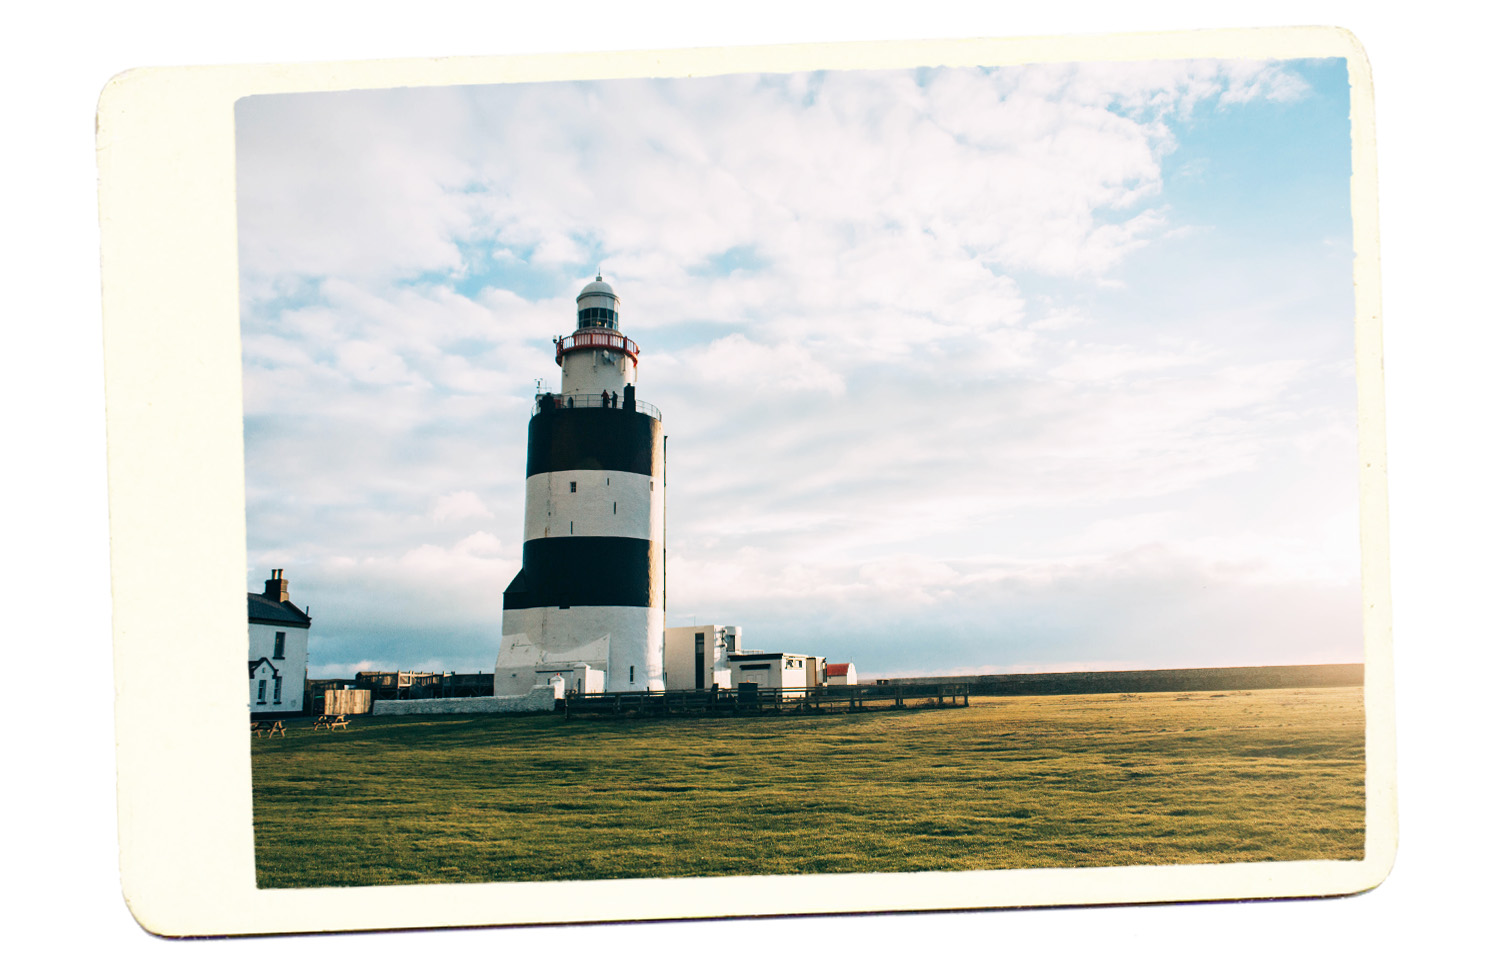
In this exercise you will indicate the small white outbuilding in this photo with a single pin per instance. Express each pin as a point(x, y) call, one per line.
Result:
point(789, 672)
point(842, 674)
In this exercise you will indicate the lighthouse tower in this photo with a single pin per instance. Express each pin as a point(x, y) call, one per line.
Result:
point(589, 603)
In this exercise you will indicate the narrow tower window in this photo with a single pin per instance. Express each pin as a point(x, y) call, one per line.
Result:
point(617, 508)
point(632, 674)
point(570, 527)
point(572, 487)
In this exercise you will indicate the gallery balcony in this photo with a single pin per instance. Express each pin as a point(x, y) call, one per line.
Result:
point(617, 402)
point(598, 339)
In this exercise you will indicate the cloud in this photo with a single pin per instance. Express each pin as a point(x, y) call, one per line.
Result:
point(735, 364)
point(347, 186)
point(1148, 606)
point(1097, 364)
point(458, 506)
point(1012, 165)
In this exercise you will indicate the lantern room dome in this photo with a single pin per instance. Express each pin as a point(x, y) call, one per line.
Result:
point(597, 286)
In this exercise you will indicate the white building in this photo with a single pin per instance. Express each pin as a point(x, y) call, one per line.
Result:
point(579, 679)
point(698, 657)
point(842, 674)
point(589, 602)
point(781, 669)
point(278, 650)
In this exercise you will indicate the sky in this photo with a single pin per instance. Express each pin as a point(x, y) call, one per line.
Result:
point(962, 370)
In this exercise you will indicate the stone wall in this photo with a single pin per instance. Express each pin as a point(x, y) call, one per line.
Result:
point(539, 699)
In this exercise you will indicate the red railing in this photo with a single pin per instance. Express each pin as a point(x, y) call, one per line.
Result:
point(604, 340)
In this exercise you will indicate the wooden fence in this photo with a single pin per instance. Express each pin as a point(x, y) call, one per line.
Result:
point(346, 701)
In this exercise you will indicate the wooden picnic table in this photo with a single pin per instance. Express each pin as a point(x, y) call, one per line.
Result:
point(270, 728)
point(331, 722)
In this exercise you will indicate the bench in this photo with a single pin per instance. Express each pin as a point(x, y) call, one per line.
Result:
point(270, 728)
point(331, 722)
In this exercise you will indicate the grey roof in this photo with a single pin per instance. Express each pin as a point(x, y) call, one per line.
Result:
point(264, 610)
point(597, 285)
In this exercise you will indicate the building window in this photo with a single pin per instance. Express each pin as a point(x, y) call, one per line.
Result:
point(570, 527)
point(276, 693)
point(617, 508)
point(698, 661)
point(280, 651)
point(572, 487)
point(261, 699)
point(632, 674)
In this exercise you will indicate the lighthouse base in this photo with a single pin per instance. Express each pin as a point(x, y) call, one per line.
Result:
point(592, 648)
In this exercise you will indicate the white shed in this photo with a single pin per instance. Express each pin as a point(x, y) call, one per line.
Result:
point(789, 672)
point(842, 674)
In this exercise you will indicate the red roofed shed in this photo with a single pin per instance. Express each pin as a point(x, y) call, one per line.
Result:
point(842, 674)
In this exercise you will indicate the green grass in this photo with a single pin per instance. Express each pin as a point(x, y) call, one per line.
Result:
point(1057, 781)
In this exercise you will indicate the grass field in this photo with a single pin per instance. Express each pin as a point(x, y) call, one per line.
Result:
point(1057, 781)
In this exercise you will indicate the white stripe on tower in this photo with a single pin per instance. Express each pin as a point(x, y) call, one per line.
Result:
point(591, 502)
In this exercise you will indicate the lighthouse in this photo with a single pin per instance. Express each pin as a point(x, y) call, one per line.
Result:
point(588, 605)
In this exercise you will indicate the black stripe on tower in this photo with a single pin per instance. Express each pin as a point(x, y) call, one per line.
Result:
point(584, 571)
point(565, 439)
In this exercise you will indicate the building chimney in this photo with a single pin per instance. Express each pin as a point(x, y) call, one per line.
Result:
point(276, 587)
